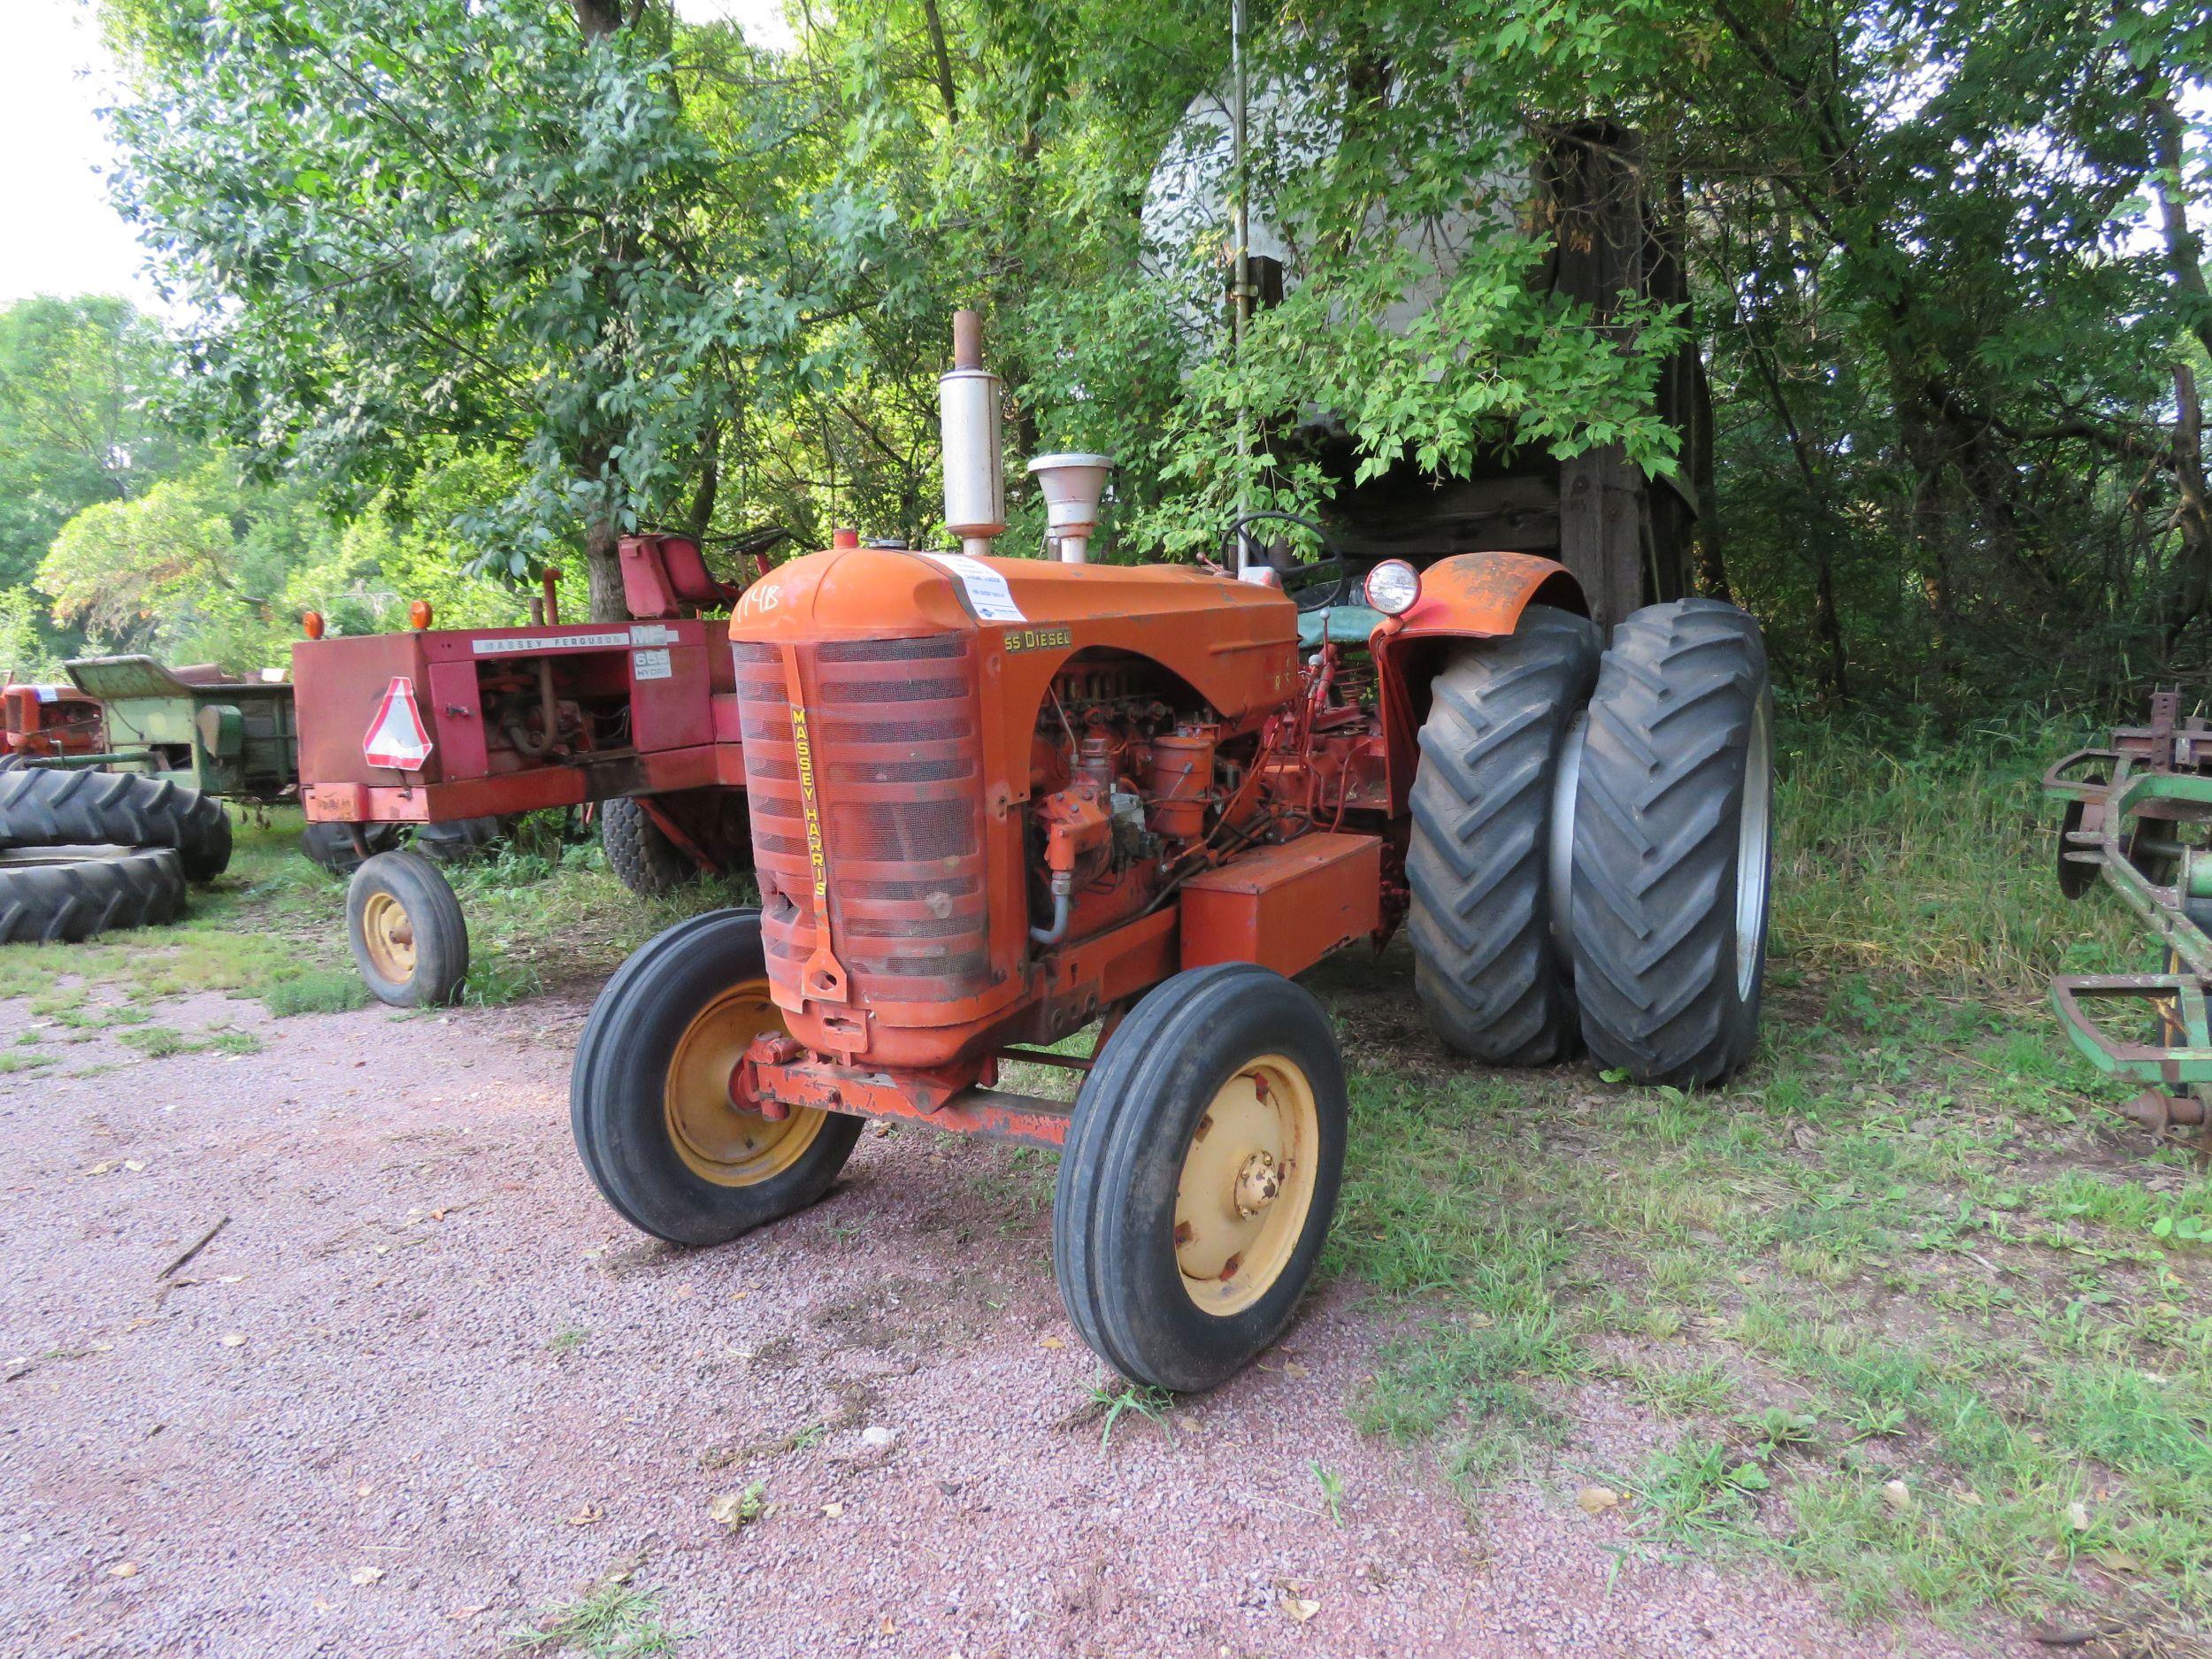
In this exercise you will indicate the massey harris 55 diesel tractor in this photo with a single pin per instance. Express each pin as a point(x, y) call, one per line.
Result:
point(996, 801)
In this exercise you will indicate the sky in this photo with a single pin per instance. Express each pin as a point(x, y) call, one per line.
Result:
point(54, 76)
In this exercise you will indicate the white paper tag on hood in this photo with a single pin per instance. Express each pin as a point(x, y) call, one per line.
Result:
point(988, 595)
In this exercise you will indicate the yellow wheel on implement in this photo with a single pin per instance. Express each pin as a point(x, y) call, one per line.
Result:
point(388, 937)
point(720, 1139)
point(408, 936)
point(650, 1101)
point(1200, 1176)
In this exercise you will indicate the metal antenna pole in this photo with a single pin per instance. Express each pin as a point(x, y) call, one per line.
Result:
point(1240, 307)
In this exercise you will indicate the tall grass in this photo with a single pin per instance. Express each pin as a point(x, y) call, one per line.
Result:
point(1930, 856)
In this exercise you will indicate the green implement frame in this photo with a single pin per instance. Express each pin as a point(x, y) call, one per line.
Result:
point(229, 737)
point(2139, 815)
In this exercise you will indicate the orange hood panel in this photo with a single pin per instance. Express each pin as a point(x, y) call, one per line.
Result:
point(1234, 643)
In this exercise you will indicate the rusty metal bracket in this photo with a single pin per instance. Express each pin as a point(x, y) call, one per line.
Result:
point(2176, 1000)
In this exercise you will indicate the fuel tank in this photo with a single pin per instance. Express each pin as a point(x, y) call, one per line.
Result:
point(888, 700)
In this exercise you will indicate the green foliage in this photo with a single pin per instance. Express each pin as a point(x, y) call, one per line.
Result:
point(441, 220)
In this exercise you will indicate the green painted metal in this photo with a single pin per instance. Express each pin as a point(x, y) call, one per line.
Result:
point(2175, 1000)
point(229, 737)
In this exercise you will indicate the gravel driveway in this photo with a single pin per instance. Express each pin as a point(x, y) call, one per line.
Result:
point(421, 1382)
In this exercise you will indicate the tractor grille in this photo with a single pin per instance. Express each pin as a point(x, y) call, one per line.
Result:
point(898, 780)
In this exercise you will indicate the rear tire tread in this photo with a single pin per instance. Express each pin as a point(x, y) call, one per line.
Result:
point(43, 806)
point(68, 899)
point(1489, 974)
point(1662, 792)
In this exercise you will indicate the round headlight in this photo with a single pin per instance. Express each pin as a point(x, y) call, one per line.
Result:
point(1393, 586)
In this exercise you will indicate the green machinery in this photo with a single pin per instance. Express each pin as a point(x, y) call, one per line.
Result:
point(236, 738)
point(2138, 814)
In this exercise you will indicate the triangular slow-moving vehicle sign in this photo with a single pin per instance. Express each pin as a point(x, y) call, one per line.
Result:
point(396, 737)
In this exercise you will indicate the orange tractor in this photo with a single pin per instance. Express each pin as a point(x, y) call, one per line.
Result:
point(997, 800)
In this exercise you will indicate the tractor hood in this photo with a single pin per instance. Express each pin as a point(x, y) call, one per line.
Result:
point(881, 592)
point(1234, 643)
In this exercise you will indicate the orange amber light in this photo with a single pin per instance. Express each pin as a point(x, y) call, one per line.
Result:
point(418, 614)
point(312, 624)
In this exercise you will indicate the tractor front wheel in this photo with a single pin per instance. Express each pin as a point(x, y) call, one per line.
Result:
point(1673, 844)
point(1200, 1175)
point(649, 1098)
point(409, 937)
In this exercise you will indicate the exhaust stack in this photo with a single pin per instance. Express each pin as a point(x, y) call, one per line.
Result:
point(968, 415)
point(1072, 485)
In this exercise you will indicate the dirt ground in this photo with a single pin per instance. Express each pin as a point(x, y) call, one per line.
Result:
point(422, 1382)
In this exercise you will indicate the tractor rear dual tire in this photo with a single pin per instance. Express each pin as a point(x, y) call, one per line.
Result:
point(458, 841)
point(68, 894)
point(1674, 845)
point(330, 846)
point(1598, 877)
point(1488, 962)
point(43, 806)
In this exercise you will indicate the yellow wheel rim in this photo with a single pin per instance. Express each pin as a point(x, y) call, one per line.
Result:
point(389, 938)
point(1247, 1186)
point(717, 1141)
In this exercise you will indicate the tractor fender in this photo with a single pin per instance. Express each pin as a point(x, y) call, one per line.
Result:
point(1467, 596)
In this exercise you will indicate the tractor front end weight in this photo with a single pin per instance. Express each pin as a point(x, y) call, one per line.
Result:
point(2138, 814)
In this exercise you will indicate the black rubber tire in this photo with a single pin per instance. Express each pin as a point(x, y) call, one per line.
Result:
point(1494, 975)
point(70, 894)
point(1668, 983)
point(432, 913)
point(614, 1091)
point(330, 846)
point(41, 806)
point(639, 851)
point(458, 841)
point(1113, 1241)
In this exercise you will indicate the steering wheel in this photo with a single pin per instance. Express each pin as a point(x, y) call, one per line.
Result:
point(1314, 586)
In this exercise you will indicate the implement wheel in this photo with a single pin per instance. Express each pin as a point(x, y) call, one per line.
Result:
point(1674, 845)
point(410, 940)
point(639, 851)
point(330, 846)
point(1200, 1176)
point(649, 1098)
point(1488, 863)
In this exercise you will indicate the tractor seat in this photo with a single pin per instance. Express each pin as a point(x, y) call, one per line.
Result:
point(1338, 625)
point(667, 576)
point(688, 574)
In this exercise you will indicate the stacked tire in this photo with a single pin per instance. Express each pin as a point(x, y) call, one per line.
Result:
point(1592, 843)
point(84, 853)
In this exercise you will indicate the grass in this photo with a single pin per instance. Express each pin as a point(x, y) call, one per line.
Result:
point(542, 909)
point(1912, 1314)
point(1904, 1309)
point(613, 1621)
point(1113, 1403)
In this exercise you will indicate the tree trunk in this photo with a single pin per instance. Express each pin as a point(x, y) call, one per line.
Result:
point(1827, 624)
point(701, 514)
point(598, 18)
point(2185, 249)
point(603, 564)
point(943, 57)
point(2192, 513)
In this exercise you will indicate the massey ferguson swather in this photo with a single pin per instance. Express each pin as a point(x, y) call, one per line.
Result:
point(997, 800)
point(449, 729)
